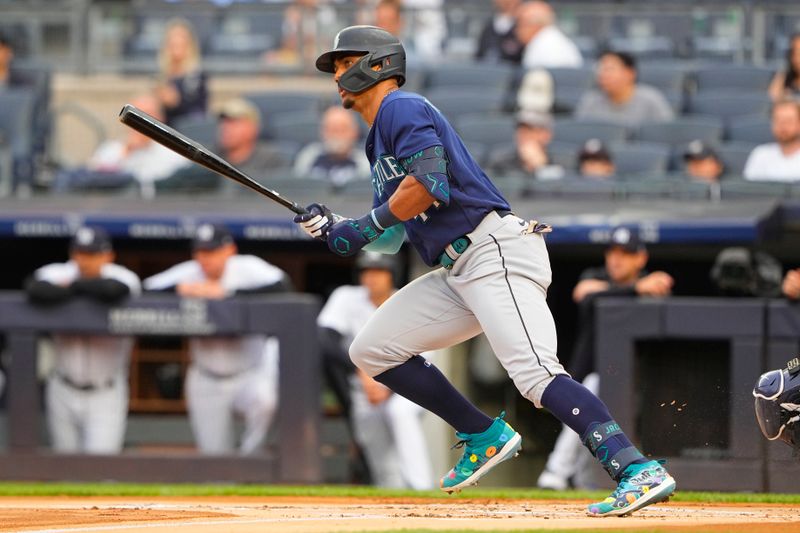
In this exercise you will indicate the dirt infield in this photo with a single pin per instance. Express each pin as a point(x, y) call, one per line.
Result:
point(316, 515)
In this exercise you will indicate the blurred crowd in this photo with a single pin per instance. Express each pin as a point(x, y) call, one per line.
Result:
point(548, 110)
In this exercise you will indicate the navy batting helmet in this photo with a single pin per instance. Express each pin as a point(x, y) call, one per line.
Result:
point(379, 47)
point(777, 395)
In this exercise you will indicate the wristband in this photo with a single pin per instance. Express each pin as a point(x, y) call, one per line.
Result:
point(383, 217)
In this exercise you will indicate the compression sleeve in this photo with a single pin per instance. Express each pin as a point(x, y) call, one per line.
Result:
point(44, 292)
point(389, 242)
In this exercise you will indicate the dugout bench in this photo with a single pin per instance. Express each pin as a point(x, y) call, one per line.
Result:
point(291, 317)
point(678, 374)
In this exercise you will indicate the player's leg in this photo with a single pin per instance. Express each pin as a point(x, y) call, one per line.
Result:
point(257, 399)
point(427, 315)
point(564, 462)
point(208, 401)
point(61, 402)
point(510, 301)
point(105, 418)
point(374, 437)
point(405, 427)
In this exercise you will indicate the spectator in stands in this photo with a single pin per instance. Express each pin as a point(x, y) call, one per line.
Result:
point(337, 158)
point(182, 90)
point(791, 284)
point(702, 162)
point(786, 83)
point(118, 163)
point(594, 161)
point(237, 139)
point(778, 161)
point(228, 376)
point(498, 40)
point(624, 274)
point(305, 24)
point(546, 46)
point(9, 77)
point(86, 396)
point(529, 157)
point(619, 98)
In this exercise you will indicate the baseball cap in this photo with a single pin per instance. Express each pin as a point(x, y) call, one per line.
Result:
point(698, 149)
point(594, 149)
point(376, 260)
point(536, 91)
point(534, 119)
point(90, 240)
point(211, 237)
point(240, 108)
point(626, 238)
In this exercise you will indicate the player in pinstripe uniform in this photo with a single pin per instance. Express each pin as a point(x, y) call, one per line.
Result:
point(227, 377)
point(87, 393)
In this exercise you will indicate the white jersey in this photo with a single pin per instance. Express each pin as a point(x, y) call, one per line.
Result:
point(89, 359)
point(768, 162)
point(347, 311)
point(224, 356)
point(550, 48)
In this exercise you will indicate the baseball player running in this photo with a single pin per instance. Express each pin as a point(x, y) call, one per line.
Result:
point(87, 394)
point(386, 426)
point(227, 376)
point(494, 278)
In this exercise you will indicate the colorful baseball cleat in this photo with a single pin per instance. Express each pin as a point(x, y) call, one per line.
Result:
point(482, 452)
point(639, 486)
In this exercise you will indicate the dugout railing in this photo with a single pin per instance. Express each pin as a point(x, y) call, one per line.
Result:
point(678, 374)
point(293, 458)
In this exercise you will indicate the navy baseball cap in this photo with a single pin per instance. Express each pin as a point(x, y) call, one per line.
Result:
point(211, 237)
point(626, 238)
point(90, 240)
point(594, 149)
point(698, 149)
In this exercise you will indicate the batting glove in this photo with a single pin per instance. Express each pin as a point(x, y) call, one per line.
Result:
point(347, 236)
point(317, 221)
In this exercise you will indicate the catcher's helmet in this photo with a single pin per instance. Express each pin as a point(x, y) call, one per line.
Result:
point(777, 395)
point(379, 47)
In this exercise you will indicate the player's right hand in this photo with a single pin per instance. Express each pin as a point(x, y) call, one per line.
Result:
point(317, 221)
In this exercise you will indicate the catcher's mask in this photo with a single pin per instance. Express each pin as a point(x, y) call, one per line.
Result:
point(378, 47)
point(777, 403)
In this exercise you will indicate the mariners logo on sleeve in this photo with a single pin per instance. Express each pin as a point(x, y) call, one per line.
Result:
point(385, 169)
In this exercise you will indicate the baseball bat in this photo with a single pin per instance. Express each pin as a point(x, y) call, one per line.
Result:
point(192, 150)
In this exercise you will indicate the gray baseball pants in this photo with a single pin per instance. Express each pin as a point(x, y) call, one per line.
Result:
point(498, 286)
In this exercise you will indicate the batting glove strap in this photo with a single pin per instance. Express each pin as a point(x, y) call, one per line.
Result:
point(317, 221)
point(348, 236)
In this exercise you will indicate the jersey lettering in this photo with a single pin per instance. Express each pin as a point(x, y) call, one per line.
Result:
point(385, 169)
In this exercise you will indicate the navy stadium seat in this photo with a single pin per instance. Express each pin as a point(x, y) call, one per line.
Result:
point(733, 78)
point(301, 128)
point(734, 156)
point(271, 103)
point(491, 131)
point(202, 130)
point(477, 75)
point(580, 131)
point(748, 128)
point(727, 106)
point(457, 104)
point(635, 159)
point(682, 131)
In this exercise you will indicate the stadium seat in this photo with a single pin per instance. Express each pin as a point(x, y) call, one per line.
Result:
point(638, 159)
point(727, 106)
point(248, 33)
point(738, 188)
point(644, 48)
point(564, 154)
point(457, 104)
point(734, 78)
point(202, 130)
point(470, 75)
point(491, 131)
point(734, 156)
point(580, 131)
point(670, 79)
point(271, 103)
point(682, 131)
point(302, 128)
point(569, 85)
point(747, 128)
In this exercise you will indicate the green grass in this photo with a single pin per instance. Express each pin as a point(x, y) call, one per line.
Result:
point(127, 489)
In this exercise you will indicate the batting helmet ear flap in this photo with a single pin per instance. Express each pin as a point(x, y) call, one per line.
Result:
point(361, 76)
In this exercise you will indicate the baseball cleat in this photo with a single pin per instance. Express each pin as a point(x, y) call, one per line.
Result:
point(639, 486)
point(482, 452)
